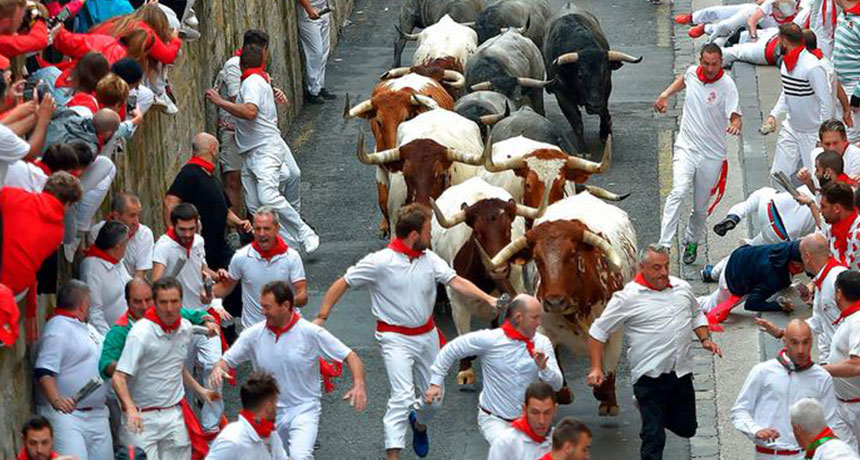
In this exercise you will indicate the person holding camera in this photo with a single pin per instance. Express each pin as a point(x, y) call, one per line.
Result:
point(315, 34)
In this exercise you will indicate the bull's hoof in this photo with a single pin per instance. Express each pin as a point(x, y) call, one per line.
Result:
point(564, 396)
point(383, 231)
point(607, 410)
point(466, 377)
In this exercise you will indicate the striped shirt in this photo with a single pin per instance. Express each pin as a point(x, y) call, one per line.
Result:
point(846, 50)
point(805, 96)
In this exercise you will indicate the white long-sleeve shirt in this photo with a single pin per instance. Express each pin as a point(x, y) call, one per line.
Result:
point(238, 440)
point(505, 364)
point(107, 291)
point(770, 390)
point(513, 444)
point(805, 96)
point(825, 311)
point(657, 324)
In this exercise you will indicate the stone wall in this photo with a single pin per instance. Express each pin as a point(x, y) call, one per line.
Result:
point(162, 144)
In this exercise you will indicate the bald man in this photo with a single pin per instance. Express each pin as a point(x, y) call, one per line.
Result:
point(512, 357)
point(761, 411)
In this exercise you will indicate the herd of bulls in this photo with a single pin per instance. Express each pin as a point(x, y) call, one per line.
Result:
point(512, 210)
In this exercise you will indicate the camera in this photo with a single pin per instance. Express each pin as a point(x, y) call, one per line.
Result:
point(31, 88)
point(131, 104)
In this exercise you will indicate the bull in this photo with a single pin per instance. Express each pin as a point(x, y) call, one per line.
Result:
point(447, 44)
point(424, 13)
point(451, 79)
point(512, 65)
point(578, 58)
point(584, 250)
point(528, 16)
point(484, 108)
point(527, 123)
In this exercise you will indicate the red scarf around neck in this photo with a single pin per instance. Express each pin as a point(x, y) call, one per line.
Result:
point(68, 314)
point(845, 178)
point(514, 334)
point(522, 424)
point(167, 328)
point(831, 264)
point(825, 435)
point(278, 331)
point(255, 71)
point(790, 58)
point(853, 308)
point(280, 247)
point(640, 279)
point(817, 53)
point(840, 231)
point(854, 9)
point(84, 100)
point(238, 52)
point(22, 455)
point(45, 169)
point(206, 165)
point(94, 251)
point(397, 245)
point(789, 365)
point(547, 456)
point(700, 72)
point(173, 236)
point(263, 427)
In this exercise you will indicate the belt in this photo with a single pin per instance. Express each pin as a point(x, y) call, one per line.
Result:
point(382, 326)
point(157, 409)
point(84, 409)
point(765, 450)
point(509, 420)
point(854, 400)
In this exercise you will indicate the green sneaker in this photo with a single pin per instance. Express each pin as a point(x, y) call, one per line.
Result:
point(690, 251)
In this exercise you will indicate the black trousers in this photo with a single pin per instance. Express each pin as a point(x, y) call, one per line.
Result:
point(665, 403)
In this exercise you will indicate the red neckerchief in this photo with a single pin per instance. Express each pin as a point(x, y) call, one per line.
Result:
point(700, 72)
point(283, 330)
point(840, 231)
point(63, 312)
point(262, 426)
point(522, 425)
point(789, 365)
point(45, 169)
point(845, 178)
point(238, 52)
point(640, 279)
point(173, 236)
point(255, 71)
point(783, 20)
point(825, 435)
point(93, 251)
point(84, 100)
point(22, 454)
point(817, 53)
point(514, 334)
point(280, 247)
point(167, 328)
point(853, 308)
point(547, 456)
point(831, 264)
point(790, 58)
point(397, 245)
point(854, 9)
point(206, 165)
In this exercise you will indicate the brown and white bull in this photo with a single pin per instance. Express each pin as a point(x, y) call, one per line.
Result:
point(391, 103)
point(467, 215)
point(452, 80)
point(434, 150)
point(584, 250)
point(446, 43)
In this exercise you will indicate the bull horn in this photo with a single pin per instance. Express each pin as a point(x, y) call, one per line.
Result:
point(454, 79)
point(623, 57)
point(489, 120)
point(463, 157)
point(598, 242)
point(404, 35)
point(356, 111)
point(445, 221)
point(600, 192)
point(426, 101)
point(532, 213)
point(467, 24)
point(501, 258)
point(482, 86)
point(532, 82)
point(375, 158)
point(394, 73)
point(491, 166)
point(522, 30)
point(566, 58)
point(590, 166)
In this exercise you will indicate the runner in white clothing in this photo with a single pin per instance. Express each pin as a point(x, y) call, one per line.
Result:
point(700, 150)
point(832, 136)
point(812, 433)
point(844, 358)
point(125, 207)
point(506, 356)
point(252, 436)
point(315, 33)
point(775, 217)
point(530, 435)
point(106, 276)
point(723, 21)
point(291, 348)
point(402, 280)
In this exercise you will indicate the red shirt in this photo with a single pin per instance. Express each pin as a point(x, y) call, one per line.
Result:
point(35, 40)
point(32, 231)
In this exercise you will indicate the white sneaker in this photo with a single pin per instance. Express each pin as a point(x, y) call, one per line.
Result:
point(167, 105)
point(311, 243)
point(70, 249)
point(188, 33)
point(191, 20)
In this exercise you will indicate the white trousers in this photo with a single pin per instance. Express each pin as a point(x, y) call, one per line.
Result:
point(717, 13)
point(850, 414)
point(271, 177)
point(853, 133)
point(491, 426)
point(85, 435)
point(407, 363)
point(316, 44)
point(792, 147)
point(747, 51)
point(203, 354)
point(690, 170)
point(761, 456)
point(298, 427)
point(95, 182)
point(722, 292)
point(728, 26)
point(164, 435)
point(755, 209)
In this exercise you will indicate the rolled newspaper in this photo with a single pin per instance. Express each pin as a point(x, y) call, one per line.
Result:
point(94, 384)
point(767, 128)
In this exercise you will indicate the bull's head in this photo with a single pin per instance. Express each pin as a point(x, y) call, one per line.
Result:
point(512, 87)
point(447, 77)
point(425, 165)
point(588, 71)
point(575, 265)
point(387, 109)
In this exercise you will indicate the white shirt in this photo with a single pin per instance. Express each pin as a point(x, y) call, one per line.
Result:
point(228, 81)
point(71, 349)
point(138, 251)
point(768, 393)
point(835, 449)
point(25, 175)
point(805, 97)
point(513, 444)
point(846, 343)
point(402, 293)
point(707, 110)
point(263, 128)
point(12, 149)
point(169, 253)
point(852, 252)
point(657, 324)
point(850, 159)
point(153, 361)
point(796, 218)
point(107, 289)
point(505, 364)
point(293, 359)
point(825, 311)
point(239, 440)
point(254, 272)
